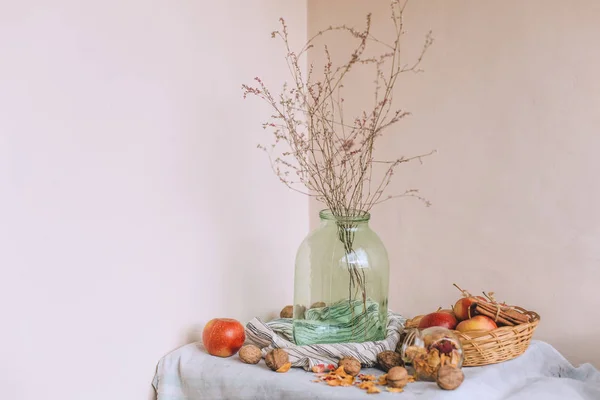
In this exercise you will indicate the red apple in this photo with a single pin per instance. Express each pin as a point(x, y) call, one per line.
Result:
point(443, 319)
point(461, 308)
point(477, 323)
point(223, 337)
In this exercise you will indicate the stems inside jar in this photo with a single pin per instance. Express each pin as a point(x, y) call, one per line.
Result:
point(357, 285)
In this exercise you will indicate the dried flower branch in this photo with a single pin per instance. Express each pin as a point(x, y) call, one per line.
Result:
point(333, 159)
point(317, 146)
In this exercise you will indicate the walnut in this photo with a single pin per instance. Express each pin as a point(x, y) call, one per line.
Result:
point(318, 304)
point(250, 354)
point(449, 377)
point(351, 365)
point(397, 377)
point(389, 359)
point(287, 312)
point(276, 359)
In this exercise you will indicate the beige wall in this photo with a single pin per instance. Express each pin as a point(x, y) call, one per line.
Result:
point(510, 98)
point(134, 205)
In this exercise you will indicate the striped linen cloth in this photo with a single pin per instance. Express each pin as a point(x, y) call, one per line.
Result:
point(278, 334)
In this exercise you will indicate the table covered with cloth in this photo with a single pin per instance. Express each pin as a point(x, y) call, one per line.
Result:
point(190, 373)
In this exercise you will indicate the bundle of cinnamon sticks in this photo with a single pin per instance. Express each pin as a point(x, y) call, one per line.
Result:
point(500, 313)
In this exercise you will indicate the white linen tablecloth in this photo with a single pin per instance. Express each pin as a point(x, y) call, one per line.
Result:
point(542, 373)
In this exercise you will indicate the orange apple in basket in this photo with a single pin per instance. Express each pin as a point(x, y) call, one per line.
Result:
point(477, 323)
point(461, 308)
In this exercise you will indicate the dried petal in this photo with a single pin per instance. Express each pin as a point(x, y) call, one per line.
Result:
point(334, 383)
point(364, 377)
point(373, 390)
point(454, 358)
point(433, 360)
point(285, 367)
point(319, 368)
point(395, 390)
point(366, 385)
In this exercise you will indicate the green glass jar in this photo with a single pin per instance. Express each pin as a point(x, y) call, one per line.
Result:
point(341, 283)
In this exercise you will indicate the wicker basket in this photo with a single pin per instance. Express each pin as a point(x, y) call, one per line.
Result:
point(501, 344)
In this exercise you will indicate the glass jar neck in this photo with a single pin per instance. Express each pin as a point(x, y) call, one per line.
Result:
point(352, 218)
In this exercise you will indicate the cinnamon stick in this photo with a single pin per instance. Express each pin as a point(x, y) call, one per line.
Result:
point(475, 310)
point(506, 316)
point(506, 311)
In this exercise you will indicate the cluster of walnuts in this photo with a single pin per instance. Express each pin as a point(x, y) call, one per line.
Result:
point(448, 376)
point(277, 359)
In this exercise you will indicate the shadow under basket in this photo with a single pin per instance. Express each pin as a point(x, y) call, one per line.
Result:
point(492, 347)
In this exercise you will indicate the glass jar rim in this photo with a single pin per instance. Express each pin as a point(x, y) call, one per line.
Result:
point(354, 217)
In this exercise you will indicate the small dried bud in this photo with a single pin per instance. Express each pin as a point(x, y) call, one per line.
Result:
point(276, 359)
point(287, 312)
point(351, 365)
point(444, 346)
point(449, 377)
point(397, 377)
point(250, 354)
point(389, 359)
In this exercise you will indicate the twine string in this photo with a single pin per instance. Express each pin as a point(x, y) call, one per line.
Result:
point(499, 307)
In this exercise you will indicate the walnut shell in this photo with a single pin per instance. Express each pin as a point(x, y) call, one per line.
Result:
point(276, 359)
point(351, 365)
point(287, 312)
point(389, 359)
point(250, 354)
point(397, 377)
point(449, 377)
point(318, 304)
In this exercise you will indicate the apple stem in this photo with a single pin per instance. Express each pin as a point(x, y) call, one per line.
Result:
point(464, 292)
point(490, 297)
